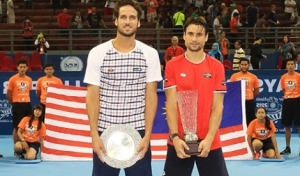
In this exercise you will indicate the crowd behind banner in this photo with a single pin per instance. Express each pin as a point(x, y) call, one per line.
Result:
point(270, 95)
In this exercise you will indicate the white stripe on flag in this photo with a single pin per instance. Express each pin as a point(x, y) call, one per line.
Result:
point(70, 104)
point(67, 92)
point(67, 125)
point(232, 135)
point(159, 152)
point(52, 157)
point(68, 148)
point(234, 147)
point(158, 142)
point(69, 137)
point(66, 114)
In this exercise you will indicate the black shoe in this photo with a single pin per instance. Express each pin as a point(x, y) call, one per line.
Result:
point(286, 151)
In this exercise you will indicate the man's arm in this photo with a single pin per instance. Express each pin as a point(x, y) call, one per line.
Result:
point(151, 101)
point(255, 92)
point(9, 96)
point(93, 109)
point(171, 110)
point(38, 93)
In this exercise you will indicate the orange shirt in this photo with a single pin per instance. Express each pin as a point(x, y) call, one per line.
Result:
point(171, 52)
point(31, 134)
point(251, 82)
point(20, 87)
point(42, 85)
point(259, 131)
point(149, 7)
point(290, 84)
point(224, 47)
point(233, 23)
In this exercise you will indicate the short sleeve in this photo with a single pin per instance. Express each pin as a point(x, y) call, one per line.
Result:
point(38, 84)
point(10, 85)
point(170, 80)
point(22, 123)
point(220, 83)
point(94, 61)
point(250, 129)
point(256, 82)
point(30, 83)
point(153, 63)
point(43, 130)
point(273, 128)
point(282, 83)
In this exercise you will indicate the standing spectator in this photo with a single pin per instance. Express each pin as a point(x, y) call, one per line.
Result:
point(217, 26)
point(272, 19)
point(225, 20)
point(256, 53)
point(224, 45)
point(287, 50)
point(55, 5)
point(63, 20)
point(168, 20)
point(11, 12)
point(189, 72)
point(94, 20)
point(42, 46)
point(290, 85)
point(18, 95)
point(252, 87)
point(151, 9)
point(1, 16)
point(134, 92)
point(234, 27)
point(173, 50)
point(178, 20)
point(42, 86)
point(78, 20)
point(31, 131)
point(234, 10)
point(260, 28)
point(289, 8)
point(297, 63)
point(239, 53)
point(215, 52)
point(252, 13)
point(109, 7)
point(27, 26)
point(27, 4)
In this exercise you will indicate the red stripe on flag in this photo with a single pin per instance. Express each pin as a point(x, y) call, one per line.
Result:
point(66, 119)
point(233, 141)
point(66, 153)
point(66, 87)
point(66, 108)
point(68, 142)
point(242, 151)
point(158, 157)
point(159, 147)
point(68, 130)
point(231, 129)
point(159, 136)
point(66, 97)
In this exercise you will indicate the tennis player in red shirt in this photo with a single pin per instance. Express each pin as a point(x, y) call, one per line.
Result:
point(195, 70)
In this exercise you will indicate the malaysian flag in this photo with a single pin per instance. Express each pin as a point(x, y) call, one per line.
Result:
point(68, 132)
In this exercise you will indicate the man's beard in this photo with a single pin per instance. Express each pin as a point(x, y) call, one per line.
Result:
point(195, 49)
point(127, 34)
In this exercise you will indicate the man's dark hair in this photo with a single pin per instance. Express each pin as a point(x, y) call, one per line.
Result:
point(244, 59)
point(122, 3)
point(49, 65)
point(200, 21)
point(235, 14)
point(289, 60)
point(239, 42)
point(23, 61)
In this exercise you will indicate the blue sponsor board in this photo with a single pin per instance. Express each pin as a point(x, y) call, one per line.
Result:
point(270, 95)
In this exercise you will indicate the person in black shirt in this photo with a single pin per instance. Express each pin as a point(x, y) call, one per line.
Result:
point(256, 53)
point(94, 19)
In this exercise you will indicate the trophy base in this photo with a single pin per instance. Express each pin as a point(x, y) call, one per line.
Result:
point(193, 148)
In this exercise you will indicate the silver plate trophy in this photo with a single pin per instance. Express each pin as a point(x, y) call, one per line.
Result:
point(121, 142)
point(187, 104)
